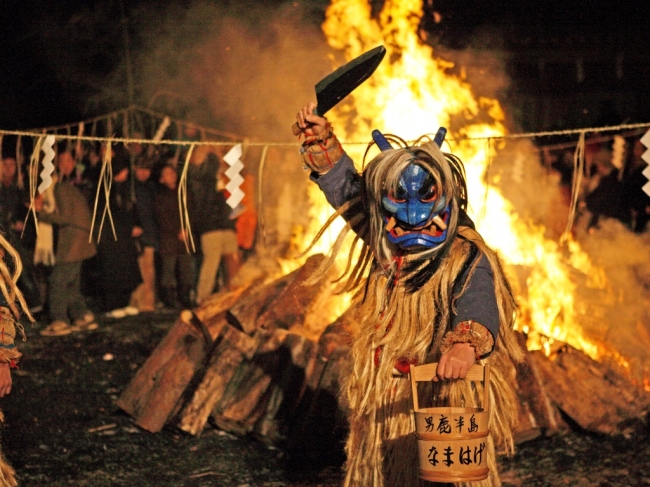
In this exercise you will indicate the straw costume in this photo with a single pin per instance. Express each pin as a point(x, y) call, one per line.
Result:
point(10, 299)
point(427, 285)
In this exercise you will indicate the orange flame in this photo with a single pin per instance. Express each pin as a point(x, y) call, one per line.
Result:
point(413, 93)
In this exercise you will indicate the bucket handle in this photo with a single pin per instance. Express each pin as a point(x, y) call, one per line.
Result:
point(426, 372)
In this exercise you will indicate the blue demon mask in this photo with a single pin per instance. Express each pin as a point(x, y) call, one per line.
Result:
point(416, 215)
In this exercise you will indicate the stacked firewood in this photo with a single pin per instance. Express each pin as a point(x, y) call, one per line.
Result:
point(244, 361)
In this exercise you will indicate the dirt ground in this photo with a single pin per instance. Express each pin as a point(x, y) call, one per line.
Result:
point(63, 429)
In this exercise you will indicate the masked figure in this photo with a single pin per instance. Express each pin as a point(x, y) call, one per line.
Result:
point(11, 302)
point(429, 290)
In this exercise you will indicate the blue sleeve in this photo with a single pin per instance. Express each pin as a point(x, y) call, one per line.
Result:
point(478, 302)
point(339, 184)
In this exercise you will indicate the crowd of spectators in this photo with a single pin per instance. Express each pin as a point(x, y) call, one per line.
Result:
point(134, 257)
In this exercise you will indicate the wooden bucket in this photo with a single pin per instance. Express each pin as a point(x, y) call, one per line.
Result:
point(452, 441)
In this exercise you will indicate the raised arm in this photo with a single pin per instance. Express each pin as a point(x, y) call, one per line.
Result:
point(331, 168)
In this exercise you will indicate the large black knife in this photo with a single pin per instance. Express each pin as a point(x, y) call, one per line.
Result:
point(344, 80)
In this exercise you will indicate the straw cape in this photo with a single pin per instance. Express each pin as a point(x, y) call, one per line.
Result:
point(9, 314)
point(381, 448)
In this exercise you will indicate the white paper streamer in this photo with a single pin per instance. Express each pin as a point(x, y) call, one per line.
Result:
point(645, 140)
point(233, 159)
point(48, 167)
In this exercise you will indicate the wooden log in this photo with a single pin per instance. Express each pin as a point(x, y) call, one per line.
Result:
point(322, 391)
point(293, 303)
point(246, 395)
point(153, 394)
point(297, 354)
point(255, 301)
point(591, 394)
point(218, 303)
point(263, 394)
point(156, 391)
point(232, 347)
point(339, 333)
point(537, 414)
point(321, 426)
point(288, 376)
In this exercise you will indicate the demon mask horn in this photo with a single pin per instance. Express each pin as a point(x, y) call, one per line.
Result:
point(417, 211)
point(384, 145)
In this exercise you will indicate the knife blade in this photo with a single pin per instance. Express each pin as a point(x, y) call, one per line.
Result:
point(344, 80)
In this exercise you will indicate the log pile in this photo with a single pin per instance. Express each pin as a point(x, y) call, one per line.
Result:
point(245, 362)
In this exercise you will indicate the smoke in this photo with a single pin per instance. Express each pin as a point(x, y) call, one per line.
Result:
point(249, 68)
point(614, 312)
point(619, 315)
point(483, 69)
point(245, 69)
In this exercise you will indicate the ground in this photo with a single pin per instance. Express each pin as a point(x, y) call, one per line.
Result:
point(63, 429)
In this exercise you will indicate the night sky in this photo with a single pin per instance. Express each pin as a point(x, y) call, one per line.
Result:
point(63, 61)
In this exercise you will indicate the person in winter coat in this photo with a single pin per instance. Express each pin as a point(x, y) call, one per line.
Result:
point(210, 219)
point(71, 215)
point(177, 277)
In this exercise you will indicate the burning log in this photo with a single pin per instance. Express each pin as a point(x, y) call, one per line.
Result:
point(248, 361)
point(537, 415)
point(217, 304)
point(293, 304)
point(255, 301)
point(588, 393)
point(591, 394)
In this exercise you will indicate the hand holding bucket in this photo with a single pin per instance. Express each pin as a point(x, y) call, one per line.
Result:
point(452, 441)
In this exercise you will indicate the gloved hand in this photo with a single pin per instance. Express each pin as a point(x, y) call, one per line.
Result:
point(321, 149)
